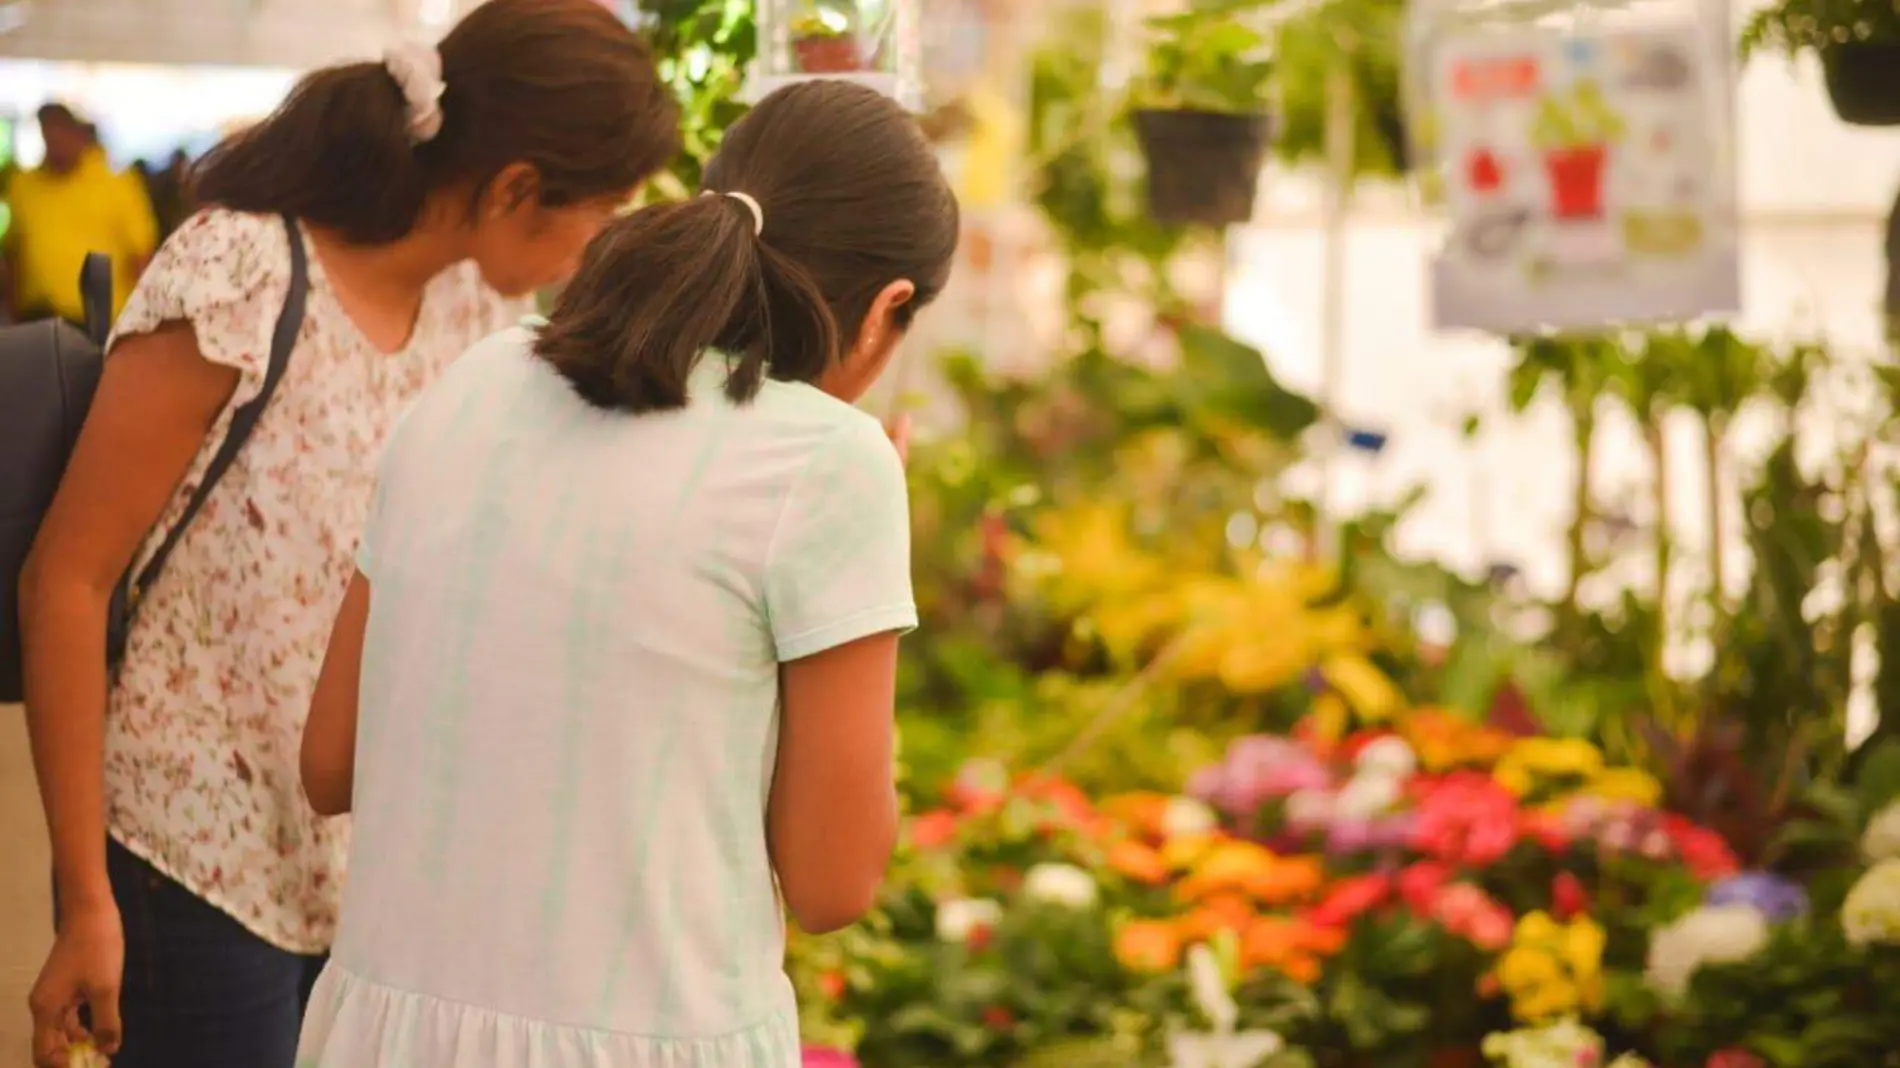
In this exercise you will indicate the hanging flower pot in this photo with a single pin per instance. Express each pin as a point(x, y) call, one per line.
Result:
point(1863, 81)
point(1576, 181)
point(1203, 166)
point(827, 54)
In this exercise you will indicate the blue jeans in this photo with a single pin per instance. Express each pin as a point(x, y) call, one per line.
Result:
point(200, 991)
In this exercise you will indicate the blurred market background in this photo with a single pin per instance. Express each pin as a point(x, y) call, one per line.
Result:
point(1307, 677)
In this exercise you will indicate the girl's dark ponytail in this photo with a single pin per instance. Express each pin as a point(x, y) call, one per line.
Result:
point(561, 85)
point(336, 153)
point(662, 286)
point(851, 198)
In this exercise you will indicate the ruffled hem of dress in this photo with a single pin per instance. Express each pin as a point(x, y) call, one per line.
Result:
point(353, 1022)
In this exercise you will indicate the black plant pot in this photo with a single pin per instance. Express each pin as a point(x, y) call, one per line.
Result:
point(1203, 166)
point(1863, 81)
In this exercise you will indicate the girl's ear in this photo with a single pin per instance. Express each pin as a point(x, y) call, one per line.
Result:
point(514, 187)
point(870, 352)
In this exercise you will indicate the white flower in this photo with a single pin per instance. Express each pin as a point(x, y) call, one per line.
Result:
point(1306, 809)
point(1563, 1044)
point(1389, 756)
point(1245, 1049)
point(1882, 840)
point(958, 920)
point(1367, 796)
point(1713, 934)
point(1187, 818)
point(1060, 884)
point(1871, 913)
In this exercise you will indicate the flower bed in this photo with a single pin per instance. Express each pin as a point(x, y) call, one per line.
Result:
point(1434, 893)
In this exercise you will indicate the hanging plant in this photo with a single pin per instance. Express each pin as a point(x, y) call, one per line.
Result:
point(1858, 42)
point(1201, 118)
point(825, 42)
point(1366, 35)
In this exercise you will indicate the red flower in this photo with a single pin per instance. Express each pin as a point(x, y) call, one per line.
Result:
point(1350, 899)
point(1568, 897)
point(1420, 883)
point(831, 984)
point(1704, 851)
point(998, 1018)
point(1468, 820)
point(1547, 828)
point(1475, 916)
point(980, 937)
point(1735, 1058)
point(933, 829)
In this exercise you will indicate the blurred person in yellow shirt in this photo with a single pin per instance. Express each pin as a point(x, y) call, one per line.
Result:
point(72, 204)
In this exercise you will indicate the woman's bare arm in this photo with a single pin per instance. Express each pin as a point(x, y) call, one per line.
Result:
point(832, 819)
point(329, 736)
point(157, 399)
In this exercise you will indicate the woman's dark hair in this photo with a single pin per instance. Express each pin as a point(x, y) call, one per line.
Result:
point(853, 200)
point(562, 85)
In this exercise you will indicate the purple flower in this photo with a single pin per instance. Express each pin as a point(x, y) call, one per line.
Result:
point(1765, 892)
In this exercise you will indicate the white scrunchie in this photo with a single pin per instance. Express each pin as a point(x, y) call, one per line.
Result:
point(417, 69)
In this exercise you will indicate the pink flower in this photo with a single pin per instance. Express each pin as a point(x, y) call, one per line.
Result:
point(1466, 819)
point(815, 1057)
point(1258, 769)
point(1735, 1058)
point(1473, 915)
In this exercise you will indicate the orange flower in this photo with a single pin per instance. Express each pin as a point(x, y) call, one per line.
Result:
point(1137, 863)
point(1148, 946)
point(1288, 879)
point(1289, 946)
point(1222, 912)
point(1064, 796)
point(1444, 740)
point(1143, 813)
point(930, 830)
point(1188, 850)
point(1229, 865)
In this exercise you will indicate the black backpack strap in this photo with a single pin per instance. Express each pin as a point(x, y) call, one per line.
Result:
point(95, 296)
point(244, 420)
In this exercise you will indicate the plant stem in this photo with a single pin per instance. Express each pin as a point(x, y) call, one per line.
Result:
point(1714, 431)
point(1659, 695)
point(1583, 415)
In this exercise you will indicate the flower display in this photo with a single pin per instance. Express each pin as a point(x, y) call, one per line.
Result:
point(1712, 934)
point(1871, 913)
point(1550, 969)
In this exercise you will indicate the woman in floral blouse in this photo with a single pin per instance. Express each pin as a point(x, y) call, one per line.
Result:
point(197, 891)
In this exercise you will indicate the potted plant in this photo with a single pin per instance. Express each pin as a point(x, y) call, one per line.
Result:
point(823, 42)
point(1201, 118)
point(1858, 42)
point(1574, 130)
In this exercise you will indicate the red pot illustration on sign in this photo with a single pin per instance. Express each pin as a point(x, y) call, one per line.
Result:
point(1576, 181)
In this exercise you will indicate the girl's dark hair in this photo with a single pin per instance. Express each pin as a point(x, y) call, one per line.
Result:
point(853, 200)
point(562, 85)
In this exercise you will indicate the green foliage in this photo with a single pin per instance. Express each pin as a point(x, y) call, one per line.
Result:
point(1793, 26)
point(1202, 60)
point(703, 48)
point(1367, 36)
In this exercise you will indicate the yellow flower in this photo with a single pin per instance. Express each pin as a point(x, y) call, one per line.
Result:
point(1363, 686)
point(1532, 761)
point(1329, 718)
point(1625, 784)
point(1552, 969)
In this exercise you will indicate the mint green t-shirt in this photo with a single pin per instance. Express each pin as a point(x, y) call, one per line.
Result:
point(569, 716)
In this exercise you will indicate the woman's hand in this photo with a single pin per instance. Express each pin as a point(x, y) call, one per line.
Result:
point(83, 970)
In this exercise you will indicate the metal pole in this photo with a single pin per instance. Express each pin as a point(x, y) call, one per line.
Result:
point(1340, 150)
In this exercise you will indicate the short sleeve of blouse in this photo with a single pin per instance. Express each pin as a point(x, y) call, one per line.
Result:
point(226, 273)
point(839, 565)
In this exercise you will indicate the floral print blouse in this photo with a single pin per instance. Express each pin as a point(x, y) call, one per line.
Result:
point(207, 712)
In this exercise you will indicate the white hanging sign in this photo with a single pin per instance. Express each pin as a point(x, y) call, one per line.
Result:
point(1588, 178)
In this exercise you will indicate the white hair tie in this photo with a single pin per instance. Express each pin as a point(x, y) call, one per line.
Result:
point(417, 69)
point(751, 205)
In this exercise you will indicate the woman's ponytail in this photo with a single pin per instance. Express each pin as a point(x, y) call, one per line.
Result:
point(662, 286)
point(336, 153)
